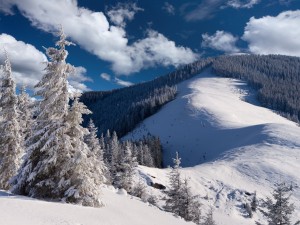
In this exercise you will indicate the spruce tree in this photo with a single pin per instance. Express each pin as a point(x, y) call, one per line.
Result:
point(57, 165)
point(96, 148)
point(189, 205)
point(279, 208)
point(86, 173)
point(173, 202)
point(11, 146)
point(125, 170)
point(44, 169)
point(209, 218)
point(25, 106)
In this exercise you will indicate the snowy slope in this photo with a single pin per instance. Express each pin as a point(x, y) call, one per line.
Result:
point(229, 145)
point(120, 209)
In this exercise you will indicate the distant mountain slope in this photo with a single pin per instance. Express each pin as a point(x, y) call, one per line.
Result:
point(207, 118)
point(230, 148)
point(277, 79)
point(121, 110)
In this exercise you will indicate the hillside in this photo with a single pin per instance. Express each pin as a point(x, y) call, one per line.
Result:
point(120, 209)
point(275, 77)
point(229, 145)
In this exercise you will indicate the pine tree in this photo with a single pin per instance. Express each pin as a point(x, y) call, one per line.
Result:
point(92, 141)
point(279, 209)
point(254, 203)
point(25, 106)
point(148, 160)
point(57, 165)
point(84, 167)
point(11, 146)
point(173, 202)
point(115, 152)
point(125, 169)
point(189, 206)
point(209, 219)
point(43, 172)
point(96, 148)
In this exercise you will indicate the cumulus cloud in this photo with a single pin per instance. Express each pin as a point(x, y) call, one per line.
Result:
point(208, 8)
point(27, 61)
point(169, 8)
point(274, 35)
point(221, 41)
point(242, 3)
point(105, 76)
point(28, 64)
point(92, 31)
point(122, 12)
point(77, 79)
point(123, 82)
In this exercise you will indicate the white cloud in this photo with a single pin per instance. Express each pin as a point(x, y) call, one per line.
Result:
point(274, 35)
point(78, 78)
point(92, 31)
point(208, 8)
point(105, 76)
point(221, 41)
point(28, 64)
point(123, 82)
point(169, 8)
point(27, 61)
point(242, 3)
point(122, 12)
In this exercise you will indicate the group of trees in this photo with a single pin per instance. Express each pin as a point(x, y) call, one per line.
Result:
point(47, 153)
point(276, 78)
point(180, 199)
point(47, 156)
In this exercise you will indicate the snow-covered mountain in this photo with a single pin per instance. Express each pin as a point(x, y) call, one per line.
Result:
point(229, 145)
point(230, 148)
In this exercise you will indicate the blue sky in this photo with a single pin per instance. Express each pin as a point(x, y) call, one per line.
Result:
point(123, 42)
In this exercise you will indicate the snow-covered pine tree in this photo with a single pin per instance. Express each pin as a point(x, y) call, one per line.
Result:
point(57, 165)
point(114, 154)
point(189, 205)
point(173, 202)
point(92, 141)
point(148, 159)
point(107, 155)
point(11, 146)
point(97, 149)
point(254, 203)
point(25, 106)
point(280, 209)
point(44, 168)
point(209, 218)
point(126, 168)
point(141, 153)
point(85, 167)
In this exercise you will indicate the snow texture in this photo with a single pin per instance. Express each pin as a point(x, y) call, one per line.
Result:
point(229, 145)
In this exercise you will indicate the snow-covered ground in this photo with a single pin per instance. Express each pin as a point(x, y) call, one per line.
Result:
point(229, 145)
point(120, 209)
